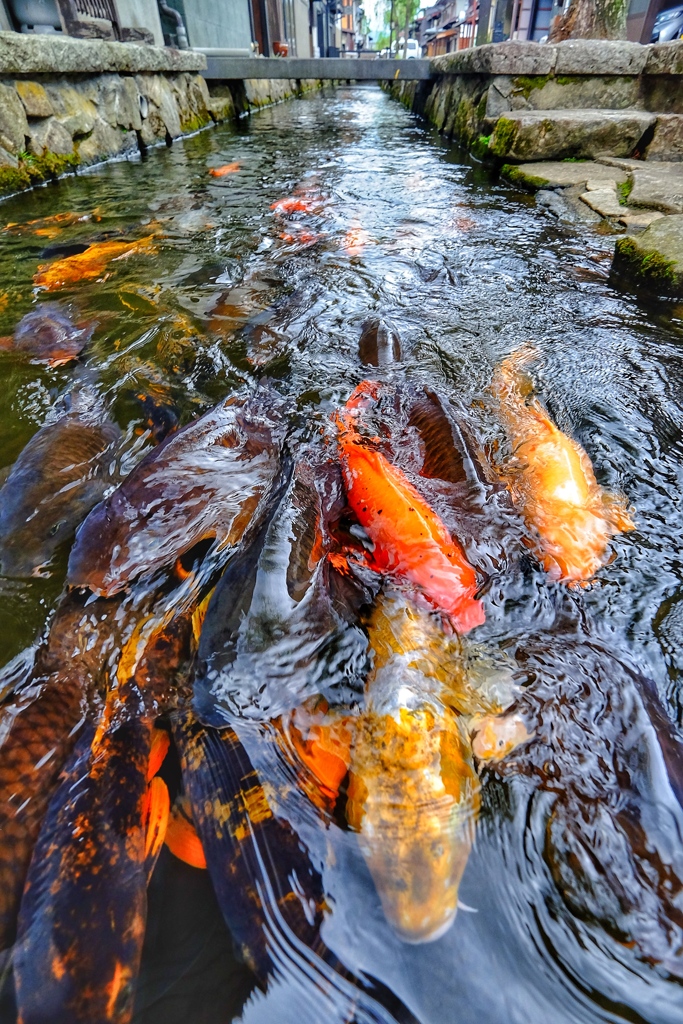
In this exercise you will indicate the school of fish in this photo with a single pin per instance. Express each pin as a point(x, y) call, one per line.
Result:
point(228, 568)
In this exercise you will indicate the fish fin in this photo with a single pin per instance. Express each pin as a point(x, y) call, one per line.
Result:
point(155, 817)
point(158, 750)
point(183, 841)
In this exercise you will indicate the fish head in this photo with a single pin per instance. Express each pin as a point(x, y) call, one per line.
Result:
point(413, 797)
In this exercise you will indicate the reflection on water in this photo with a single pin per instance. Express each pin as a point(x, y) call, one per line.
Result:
point(399, 823)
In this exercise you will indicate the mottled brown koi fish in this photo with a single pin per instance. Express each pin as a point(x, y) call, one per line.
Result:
point(203, 482)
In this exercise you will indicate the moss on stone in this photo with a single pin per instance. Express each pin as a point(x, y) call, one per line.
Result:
point(624, 191)
point(481, 106)
point(33, 170)
point(518, 177)
point(504, 135)
point(645, 266)
point(194, 124)
point(462, 121)
point(480, 146)
point(527, 83)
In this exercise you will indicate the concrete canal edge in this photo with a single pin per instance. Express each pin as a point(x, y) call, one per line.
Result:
point(68, 103)
point(593, 127)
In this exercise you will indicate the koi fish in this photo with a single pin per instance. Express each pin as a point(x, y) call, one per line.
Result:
point(38, 730)
point(413, 794)
point(299, 236)
point(410, 540)
point(551, 481)
point(293, 205)
point(181, 836)
point(203, 483)
point(97, 847)
point(60, 475)
point(270, 894)
point(220, 172)
point(89, 265)
point(50, 227)
point(380, 344)
point(49, 335)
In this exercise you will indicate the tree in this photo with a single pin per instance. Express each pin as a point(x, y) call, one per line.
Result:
point(591, 19)
point(399, 14)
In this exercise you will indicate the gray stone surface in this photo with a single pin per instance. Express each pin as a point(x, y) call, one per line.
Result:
point(667, 143)
point(105, 142)
point(13, 123)
point(549, 135)
point(36, 101)
point(33, 54)
point(639, 219)
point(658, 186)
point(120, 102)
point(665, 59)
point(7, 160)
point(49, 136)
point(604, 201)
point(512, 58)
point(653, 259)
point(599, 57)
point(223, 67)
point(559, 174)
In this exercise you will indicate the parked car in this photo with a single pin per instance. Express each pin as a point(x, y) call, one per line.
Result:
point(412, 49)
point(668, 25)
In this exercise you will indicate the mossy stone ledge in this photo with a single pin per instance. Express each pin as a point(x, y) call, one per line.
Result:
point(653, 261)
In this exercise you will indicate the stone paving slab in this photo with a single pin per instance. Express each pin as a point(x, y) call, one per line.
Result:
point(658, 186)
point(561, 173)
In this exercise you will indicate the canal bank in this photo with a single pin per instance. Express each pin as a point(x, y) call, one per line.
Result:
point(594, 128)
point(69, 103)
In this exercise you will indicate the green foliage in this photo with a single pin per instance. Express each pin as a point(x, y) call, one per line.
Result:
point(33, 170)
point(480, 147)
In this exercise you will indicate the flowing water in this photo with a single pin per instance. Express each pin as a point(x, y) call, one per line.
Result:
point(571, 903)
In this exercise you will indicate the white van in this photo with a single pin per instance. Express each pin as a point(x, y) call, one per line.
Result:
point(412, 49)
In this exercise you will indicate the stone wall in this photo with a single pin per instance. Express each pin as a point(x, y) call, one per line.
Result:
point(67, 103)
point(503, 100)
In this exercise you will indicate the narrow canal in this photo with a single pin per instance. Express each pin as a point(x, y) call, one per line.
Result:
point(570, 907)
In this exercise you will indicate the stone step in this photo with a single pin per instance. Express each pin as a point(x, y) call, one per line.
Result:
point(558, 134)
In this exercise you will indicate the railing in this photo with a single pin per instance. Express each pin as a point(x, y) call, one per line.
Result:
point(98, 9)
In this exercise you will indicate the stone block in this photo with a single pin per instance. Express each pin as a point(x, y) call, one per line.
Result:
point(7, 160)
point(61, 55)
point(665, 58)
point(104, 142)
point(653, 260)
point(221, 107)
point(579, 91)
point(73, 108)
point(49, 136)
point(667, 142)
point(658, 186)
point(638, 220)
point(36, 101)
point(158, 92)
point(512, 58)
point(560, 174)
point(119, 101)
point(604, 201)
point(600, 57)
point(13, 123)
point(557, 134)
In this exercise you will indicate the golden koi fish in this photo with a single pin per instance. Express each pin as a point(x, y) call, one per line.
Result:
point(551, 481)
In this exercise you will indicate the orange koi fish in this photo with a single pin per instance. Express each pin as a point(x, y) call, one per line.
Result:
point(50, 227)
point(181, 836)
point(220, 172)
point(88, 265)
point(293, 205)
point(410, 540)
point(299, 237)
point(551, 481)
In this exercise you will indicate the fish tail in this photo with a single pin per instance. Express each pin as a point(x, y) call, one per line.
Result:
point(155, 816)
point(510, 381)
